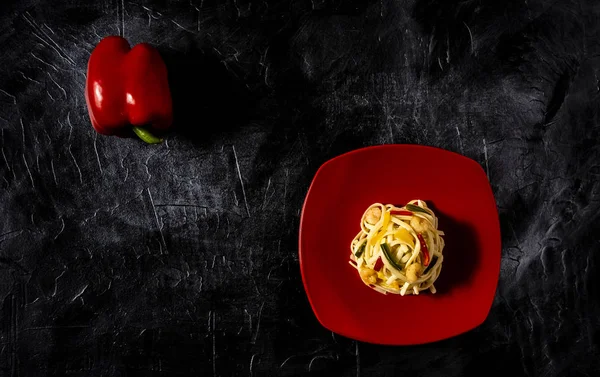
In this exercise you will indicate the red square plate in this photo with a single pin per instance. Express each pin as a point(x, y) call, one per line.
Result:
point(456, 188)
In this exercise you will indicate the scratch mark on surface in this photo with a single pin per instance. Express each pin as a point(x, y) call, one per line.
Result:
point(563, 256)
point(70, 124)
point(249, 320)
point(49, 28)
point(201, 284)
point(251, 364)
point(48, 41)
point(22, 131)
point(255, 286)
point(146, 165)
point(126, 169)
point(228, 228)
point(471, 36)
point(448, 48)
point(285, 361)
point(181, 27)
point(266, 191)
point(85, 221)
point(44, 62)
point(3, 237)
point(544, 266)
point(56, 282)
point(237, 8)
point(267, 76)
point(213, 262)
point(152, 11)
point(151, 14)
point(64, 92)
point(29, 78)
point(198, 15)
point(80, 293)
point(460, 144)
point(587, 268)
point(62, 228)
point(5, 159)
point(237, 164)
point(537, 310)
point(258, 322)
point(162, 237)
point(48, 137)
point(96, 150)
point(10, 95)
point(313, 360)
point(76, 165)
point(123, 18)
point(33, 302)
point(53, 171)
point(28, 171)
point(485, 155)
point(262, 63)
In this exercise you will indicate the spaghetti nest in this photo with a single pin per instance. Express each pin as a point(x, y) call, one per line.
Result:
point(399, 249)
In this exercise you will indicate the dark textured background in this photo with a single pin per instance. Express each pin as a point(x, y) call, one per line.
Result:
point(123, 259)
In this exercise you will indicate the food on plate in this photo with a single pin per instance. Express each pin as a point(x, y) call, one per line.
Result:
point(398, 249)
point(127, 89)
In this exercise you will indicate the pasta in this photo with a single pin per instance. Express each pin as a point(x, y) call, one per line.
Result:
point(398, 249)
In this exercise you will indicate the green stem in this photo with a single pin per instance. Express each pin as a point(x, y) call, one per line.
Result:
point(146, 135)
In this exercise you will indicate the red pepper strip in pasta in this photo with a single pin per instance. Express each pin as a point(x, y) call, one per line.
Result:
point(378, 264)
point(401, 212)
point(424, 249)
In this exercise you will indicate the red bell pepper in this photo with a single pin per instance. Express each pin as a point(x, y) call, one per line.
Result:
point(128, 89)
point(424, 249)
point(400, 212)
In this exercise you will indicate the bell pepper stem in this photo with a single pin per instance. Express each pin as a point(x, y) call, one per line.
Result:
point(146, 135)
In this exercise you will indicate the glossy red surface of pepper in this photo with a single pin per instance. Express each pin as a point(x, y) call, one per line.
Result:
point(424, 249)
point(400, 212)
point(127, 88)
